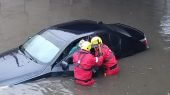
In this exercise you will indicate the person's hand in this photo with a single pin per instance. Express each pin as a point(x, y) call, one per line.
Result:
point(100, 54)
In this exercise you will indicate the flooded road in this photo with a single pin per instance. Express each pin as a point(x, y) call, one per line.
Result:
point(146, 73)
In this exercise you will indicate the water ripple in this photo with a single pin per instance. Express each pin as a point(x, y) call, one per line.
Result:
point(165, 26)
point(40, 87)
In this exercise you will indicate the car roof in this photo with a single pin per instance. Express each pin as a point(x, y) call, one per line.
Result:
point(72, 30)
point(79, 27)
point(61, 34)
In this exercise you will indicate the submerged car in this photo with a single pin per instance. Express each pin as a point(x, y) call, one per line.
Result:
point(47, 51)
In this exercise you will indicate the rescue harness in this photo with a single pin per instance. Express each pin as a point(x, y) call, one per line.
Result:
point(109, 58)
point(77, 64)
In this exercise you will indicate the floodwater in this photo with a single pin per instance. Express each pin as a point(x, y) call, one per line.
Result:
point(146, 73)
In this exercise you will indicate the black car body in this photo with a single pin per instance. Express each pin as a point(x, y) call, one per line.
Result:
point(43, 53)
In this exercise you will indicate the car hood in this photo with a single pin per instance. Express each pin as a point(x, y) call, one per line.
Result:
point(14, 64)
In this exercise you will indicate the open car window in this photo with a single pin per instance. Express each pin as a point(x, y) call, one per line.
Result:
point(69, 50)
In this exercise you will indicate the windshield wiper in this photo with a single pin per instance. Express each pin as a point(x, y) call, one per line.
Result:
point(31, 57)
point(27, 54)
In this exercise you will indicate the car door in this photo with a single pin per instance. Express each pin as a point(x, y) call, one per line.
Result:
point(66, 55)
point(115, 42)
point(104, 36)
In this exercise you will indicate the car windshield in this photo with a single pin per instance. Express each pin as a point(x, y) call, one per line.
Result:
point(41, 49)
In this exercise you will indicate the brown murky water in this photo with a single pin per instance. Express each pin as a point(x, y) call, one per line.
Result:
point(146, 73)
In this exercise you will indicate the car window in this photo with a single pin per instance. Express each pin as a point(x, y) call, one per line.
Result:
point(70, 49)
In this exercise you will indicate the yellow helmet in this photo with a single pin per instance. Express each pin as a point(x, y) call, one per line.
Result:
point(96, 40)
point(86, 46)
point(81, 42)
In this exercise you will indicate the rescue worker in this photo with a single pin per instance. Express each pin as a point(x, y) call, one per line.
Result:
point(83, 62)
point(109, 59)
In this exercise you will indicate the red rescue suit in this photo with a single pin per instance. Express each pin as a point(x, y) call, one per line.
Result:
point(83, 62)
point(109, 61)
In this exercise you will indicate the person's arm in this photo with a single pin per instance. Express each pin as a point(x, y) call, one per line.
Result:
point(99, 60)
point(96, 61)
point(75, 48)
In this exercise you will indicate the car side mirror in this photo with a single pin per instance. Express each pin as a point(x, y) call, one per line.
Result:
point(64, 65)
